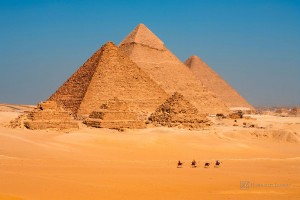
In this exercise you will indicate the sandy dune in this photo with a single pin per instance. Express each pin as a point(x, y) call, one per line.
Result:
point(141, 164)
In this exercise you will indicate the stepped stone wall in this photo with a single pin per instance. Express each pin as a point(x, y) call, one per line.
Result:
point(47, 115)
point(114, 114)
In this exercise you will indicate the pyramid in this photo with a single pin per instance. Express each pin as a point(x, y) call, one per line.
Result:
point(72, 92)
point(150, 53)
point(47, 115)
point(216, 84)
point(106, 75)
point(177, 111)
point(114, 114)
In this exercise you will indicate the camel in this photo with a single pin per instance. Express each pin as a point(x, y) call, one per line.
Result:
point(206, 165)
point(194, 164)
point(218, 163)
point(179, 164)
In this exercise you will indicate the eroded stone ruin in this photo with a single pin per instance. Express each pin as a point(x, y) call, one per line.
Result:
point(115, 114)
point(47, 115)
point(178, 112)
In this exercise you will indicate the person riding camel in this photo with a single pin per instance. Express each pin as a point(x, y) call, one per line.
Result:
point(179, 164)
point(194, 163)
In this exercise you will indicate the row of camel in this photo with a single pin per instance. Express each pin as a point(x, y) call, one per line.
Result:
point(194, 164)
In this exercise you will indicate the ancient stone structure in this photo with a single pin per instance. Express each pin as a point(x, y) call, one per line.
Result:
point(177, 111)
point(295, 112)
point(236, 115)
point(108, 74)
point(282, 112)
point(150, 53)
point(47, 115)
point(216, 84)
point(115, 114)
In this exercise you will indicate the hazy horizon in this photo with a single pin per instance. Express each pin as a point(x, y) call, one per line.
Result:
point(253, 45)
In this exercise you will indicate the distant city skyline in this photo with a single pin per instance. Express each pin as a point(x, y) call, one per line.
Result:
point(253, 45)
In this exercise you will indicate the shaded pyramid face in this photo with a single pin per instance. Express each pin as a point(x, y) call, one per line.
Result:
point(72, 92)
point(216, 84)
point(149, 52)
point(106, 75)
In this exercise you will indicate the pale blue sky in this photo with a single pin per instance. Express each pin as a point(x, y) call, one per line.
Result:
point(254, 45)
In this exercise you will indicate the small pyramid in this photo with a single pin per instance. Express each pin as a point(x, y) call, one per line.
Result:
point(114, 114)
point(216, 84)
point(47, 115)
point(177, 111)
point(108, 74)
point(149, 53)
point(142, 35)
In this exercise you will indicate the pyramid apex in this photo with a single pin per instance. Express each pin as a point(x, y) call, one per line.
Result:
point(141, 25)
point(108, 47)
point(144, 36)
point(192, 59)
point(109, 44)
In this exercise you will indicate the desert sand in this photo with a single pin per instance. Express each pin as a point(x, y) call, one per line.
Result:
point(91, 163)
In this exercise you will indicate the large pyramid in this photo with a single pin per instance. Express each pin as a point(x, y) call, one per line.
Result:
point(149, 52)
point(216, 84)
point(106, 75)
